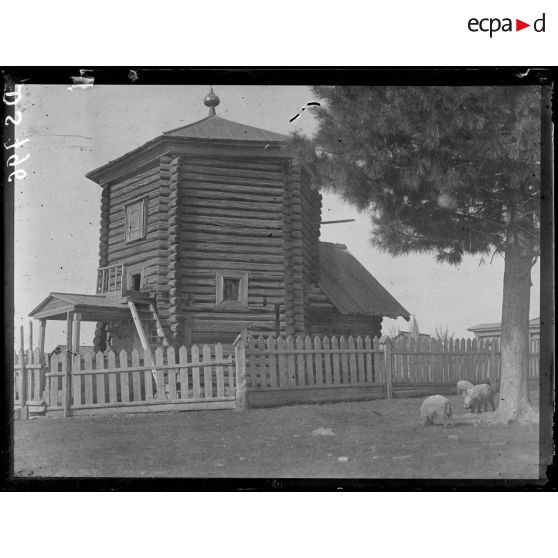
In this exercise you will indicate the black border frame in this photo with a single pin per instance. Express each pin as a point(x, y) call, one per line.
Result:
point(425, 76)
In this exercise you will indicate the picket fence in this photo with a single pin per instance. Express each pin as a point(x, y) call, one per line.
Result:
point(199, 378)
point(312, 369)
point(264, 372)
point(30, 383)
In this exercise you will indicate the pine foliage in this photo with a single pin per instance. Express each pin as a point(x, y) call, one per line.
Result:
point(449, 170)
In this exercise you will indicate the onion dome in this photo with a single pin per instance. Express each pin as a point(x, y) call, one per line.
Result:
point(211, 100)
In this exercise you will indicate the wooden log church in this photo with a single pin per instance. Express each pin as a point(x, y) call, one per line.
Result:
point(210, 229)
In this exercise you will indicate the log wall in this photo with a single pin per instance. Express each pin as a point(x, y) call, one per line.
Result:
point(160, 282)
point(293, 251)
point(171, 319)
point(99, 339)
point(230, 217)
point(209, 214)
point(148, 251)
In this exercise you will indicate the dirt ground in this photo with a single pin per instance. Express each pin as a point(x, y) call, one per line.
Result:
point(373, 439)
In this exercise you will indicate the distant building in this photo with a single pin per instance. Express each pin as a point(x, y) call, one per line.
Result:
point(494, 330)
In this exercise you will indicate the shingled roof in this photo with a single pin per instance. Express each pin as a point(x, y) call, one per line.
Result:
point(217, 128)
point(351, 287)
point(211, 129)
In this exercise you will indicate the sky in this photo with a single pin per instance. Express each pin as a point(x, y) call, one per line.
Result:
point(57, 209)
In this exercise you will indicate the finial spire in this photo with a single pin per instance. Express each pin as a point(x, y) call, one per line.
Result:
point(211, 100)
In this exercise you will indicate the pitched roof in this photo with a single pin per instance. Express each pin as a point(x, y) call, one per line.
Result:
point(72, 298)
point(217, 128)
point(56, 305)
point(351, 288)
point(210, 128)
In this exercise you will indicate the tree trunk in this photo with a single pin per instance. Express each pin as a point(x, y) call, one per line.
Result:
point(514, 391)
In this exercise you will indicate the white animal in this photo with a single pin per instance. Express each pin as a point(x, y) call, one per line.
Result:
point(436, 406)
point(479, 396)
point(463, 386)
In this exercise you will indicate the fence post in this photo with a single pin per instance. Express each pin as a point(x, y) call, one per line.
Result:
point(43, 360)
point(241, 403)
point(388, 361)
point(67, 395)
point(22, 377)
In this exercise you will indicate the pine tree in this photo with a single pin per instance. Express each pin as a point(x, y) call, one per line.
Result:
point(443, 170)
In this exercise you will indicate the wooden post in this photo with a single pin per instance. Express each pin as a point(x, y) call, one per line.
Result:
point(31, 335)
point(388, 360)
point(76, 333)
point(22, 377)
point(42, 331)
point(240, 364)
point(42, 358)
point(143, 339)
point(123, 280)
point(68, 360)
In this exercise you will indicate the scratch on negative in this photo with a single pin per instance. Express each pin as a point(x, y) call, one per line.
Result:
point(311, 104)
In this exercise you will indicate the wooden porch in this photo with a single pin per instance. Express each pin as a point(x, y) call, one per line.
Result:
point(116, 305)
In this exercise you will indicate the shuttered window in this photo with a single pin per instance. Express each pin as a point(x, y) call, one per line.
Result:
point(136, 220)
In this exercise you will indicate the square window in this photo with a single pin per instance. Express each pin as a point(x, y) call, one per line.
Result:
point(231, 288)
point(136, 218)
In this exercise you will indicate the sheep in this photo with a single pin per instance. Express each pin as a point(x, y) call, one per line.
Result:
point(479, 396)
point(463, 386)
point(436, 406)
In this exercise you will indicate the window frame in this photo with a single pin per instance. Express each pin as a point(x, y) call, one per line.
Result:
point(220, 277)
point(144, 201)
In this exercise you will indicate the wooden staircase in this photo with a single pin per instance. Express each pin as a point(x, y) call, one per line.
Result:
point(148, 325)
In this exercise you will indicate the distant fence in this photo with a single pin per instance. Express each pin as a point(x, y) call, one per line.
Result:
point(312, 369)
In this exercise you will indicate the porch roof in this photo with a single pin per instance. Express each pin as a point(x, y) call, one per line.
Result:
point(91, 307)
